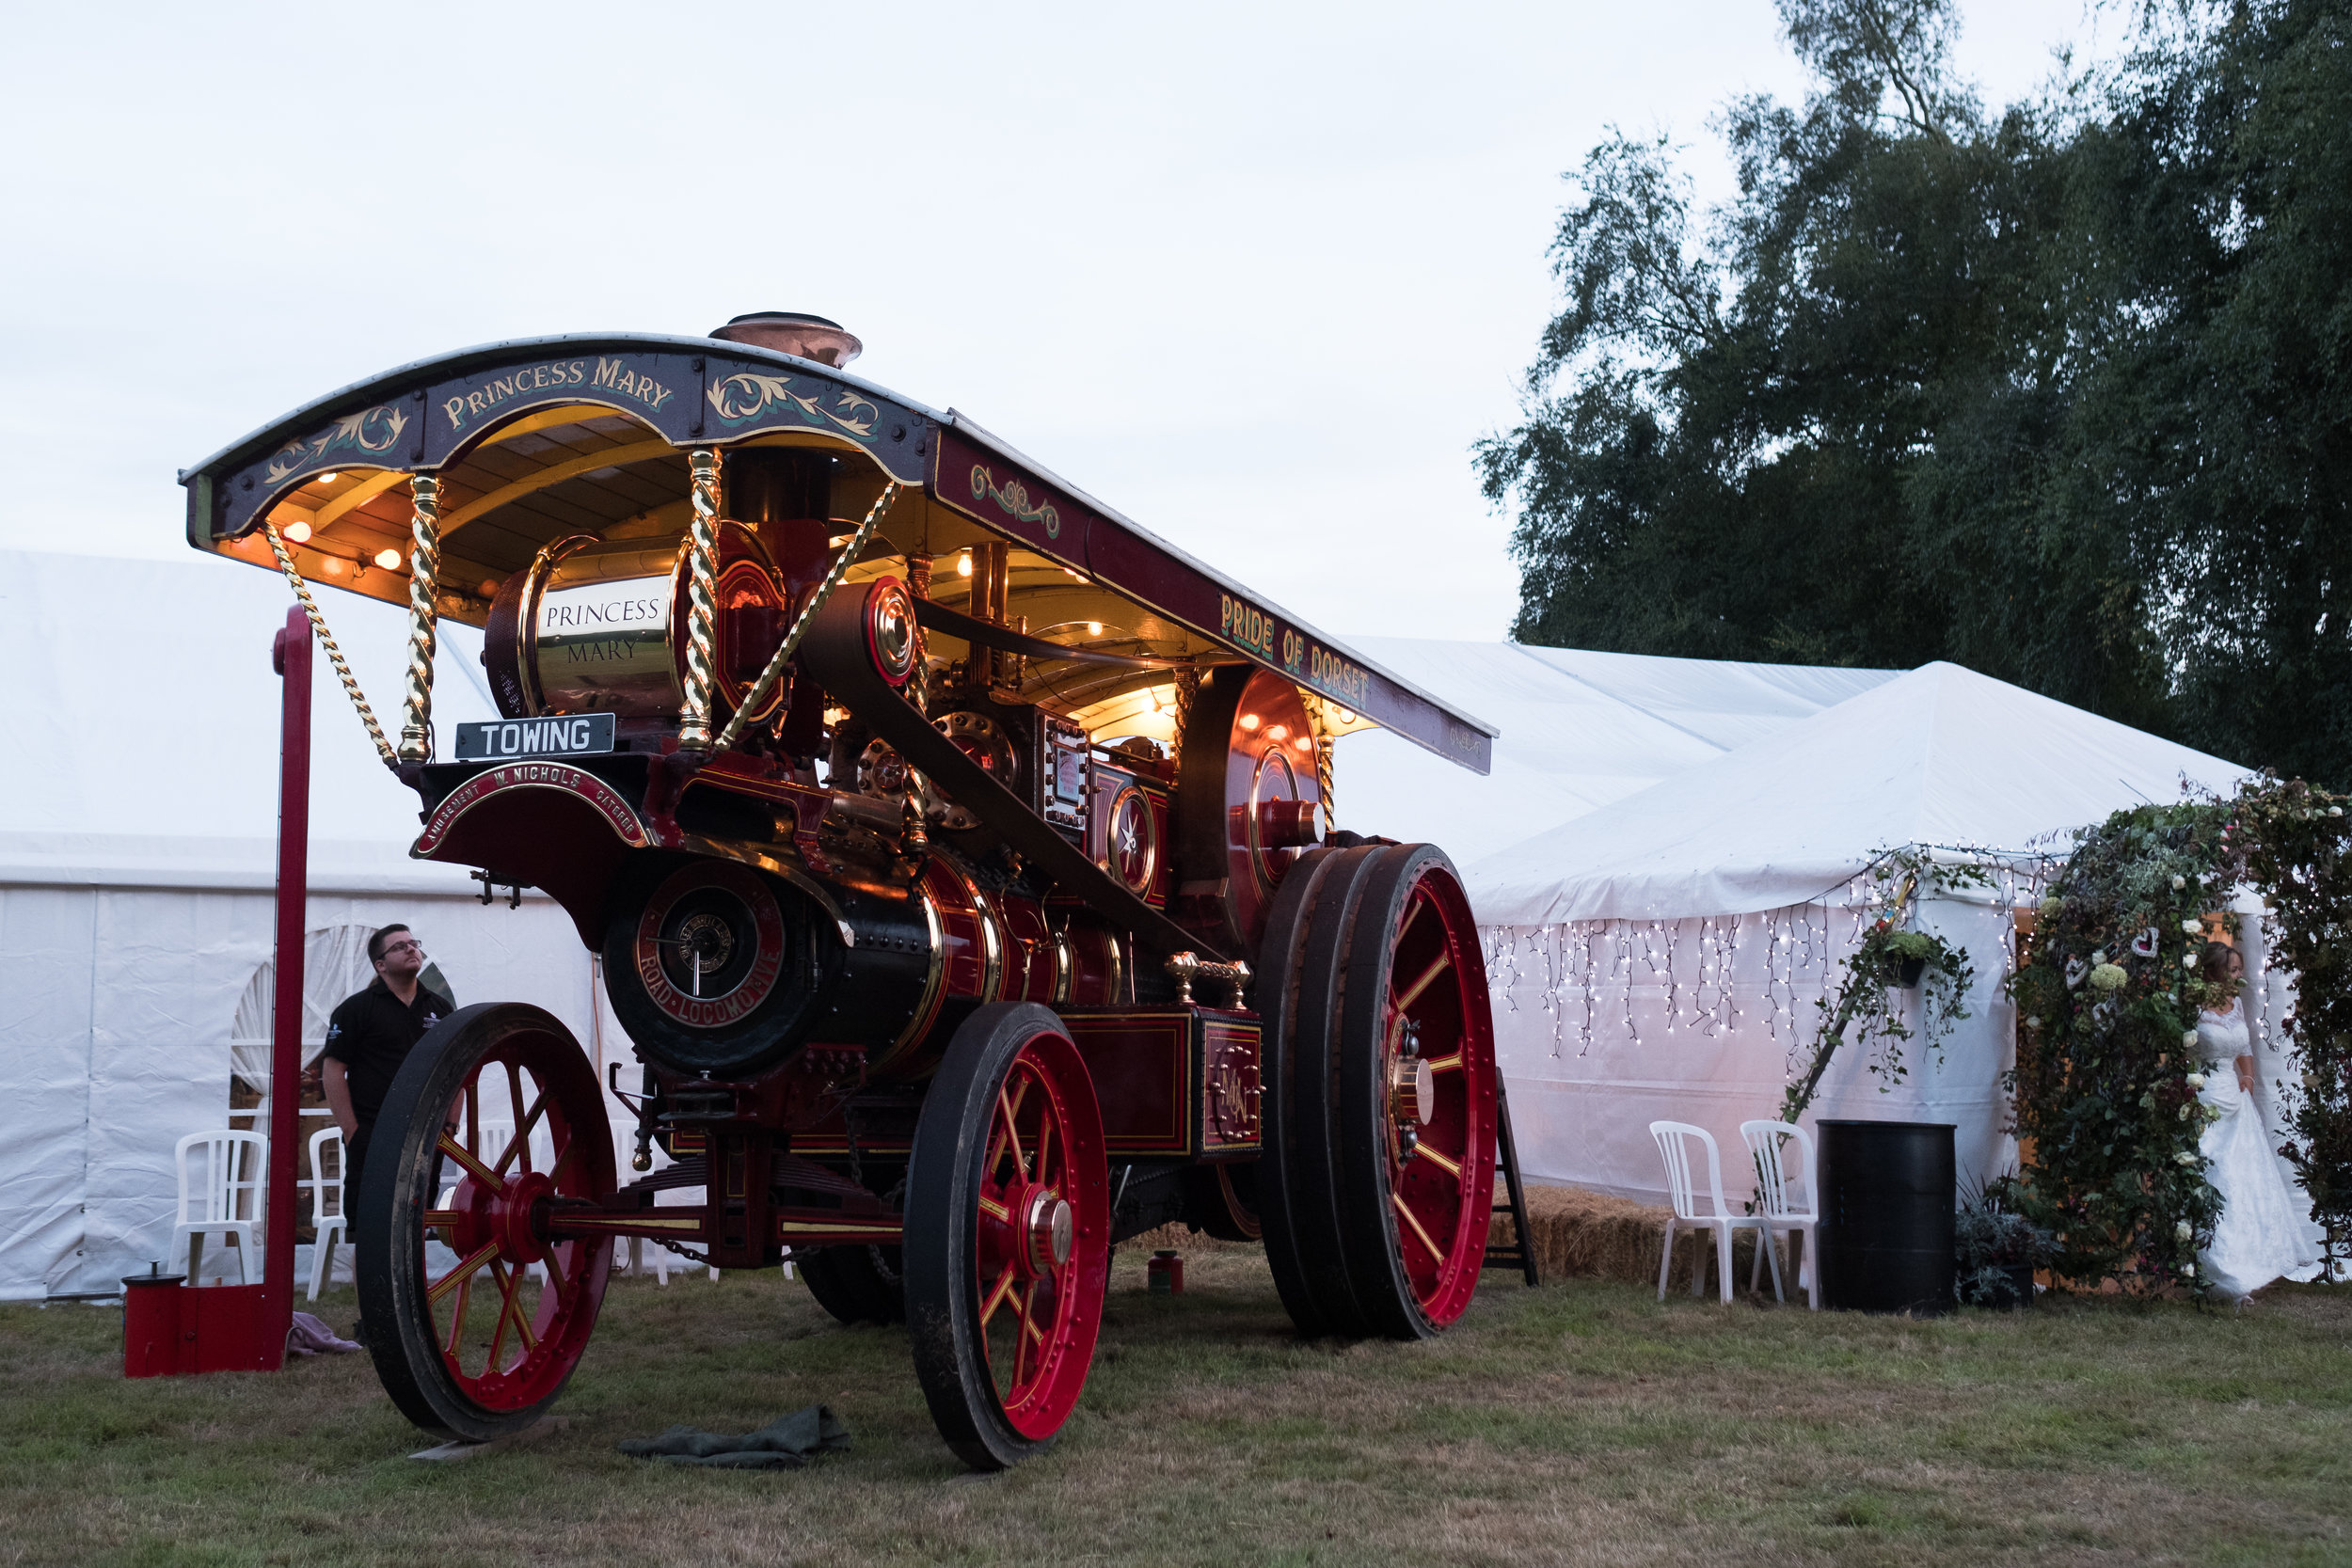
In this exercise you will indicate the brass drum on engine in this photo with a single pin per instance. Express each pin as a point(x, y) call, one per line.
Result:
point(600, 626)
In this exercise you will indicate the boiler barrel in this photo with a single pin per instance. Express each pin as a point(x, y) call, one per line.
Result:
point(1888, 1199)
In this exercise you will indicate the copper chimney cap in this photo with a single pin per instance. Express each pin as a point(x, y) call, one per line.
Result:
point(791, 332)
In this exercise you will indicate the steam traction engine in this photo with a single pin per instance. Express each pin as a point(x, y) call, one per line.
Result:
point(964, 876)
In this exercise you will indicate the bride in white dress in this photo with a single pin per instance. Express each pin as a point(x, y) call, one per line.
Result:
point(2264, 1232)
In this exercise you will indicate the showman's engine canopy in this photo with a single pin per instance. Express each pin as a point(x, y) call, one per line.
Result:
point(962, 857)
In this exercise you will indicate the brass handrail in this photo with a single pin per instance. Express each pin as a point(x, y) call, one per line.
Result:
point(326, 640)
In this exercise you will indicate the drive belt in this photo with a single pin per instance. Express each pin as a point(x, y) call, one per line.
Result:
point(835, 653)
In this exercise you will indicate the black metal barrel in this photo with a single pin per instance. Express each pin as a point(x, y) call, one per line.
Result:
point(1888, 1190)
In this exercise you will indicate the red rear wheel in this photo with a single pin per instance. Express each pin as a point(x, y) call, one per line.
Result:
point(494, 1123)
point(1008, 1249)
point(1417, 1098)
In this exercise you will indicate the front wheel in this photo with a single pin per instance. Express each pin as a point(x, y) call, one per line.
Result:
point(1007, 1235)
point(494, 1123)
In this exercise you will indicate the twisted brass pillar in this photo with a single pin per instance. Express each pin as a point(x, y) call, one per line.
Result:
point(702, 600)
point(424, 567)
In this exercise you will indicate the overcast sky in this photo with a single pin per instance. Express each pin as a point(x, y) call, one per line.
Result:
point(1256, 275)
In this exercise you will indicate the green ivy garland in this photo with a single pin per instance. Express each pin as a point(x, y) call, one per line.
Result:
point(2297, 841)
point(2106, 1041)
point(1890, 959)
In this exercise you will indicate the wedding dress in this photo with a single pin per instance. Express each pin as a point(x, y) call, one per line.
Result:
point(2264, 1232)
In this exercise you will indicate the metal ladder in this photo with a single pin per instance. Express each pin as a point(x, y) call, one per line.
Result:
point(1519, 1252)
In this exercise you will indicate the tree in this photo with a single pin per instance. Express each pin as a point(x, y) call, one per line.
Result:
point(1943, 384)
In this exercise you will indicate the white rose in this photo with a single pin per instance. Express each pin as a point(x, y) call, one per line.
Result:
point(2335, 811)
point(2191, 927)
point(2190, 1269)
point(2185, 1158)
point(2188, 960)
point(2196, 1081)
point(2179, 882)
point(2182, 1232)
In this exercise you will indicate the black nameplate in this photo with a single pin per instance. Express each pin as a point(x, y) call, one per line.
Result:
point(572, 735)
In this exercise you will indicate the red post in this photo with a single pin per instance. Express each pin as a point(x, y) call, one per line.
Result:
point(291, 653)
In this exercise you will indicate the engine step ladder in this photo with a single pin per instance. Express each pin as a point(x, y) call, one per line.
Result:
point(1520, 1253)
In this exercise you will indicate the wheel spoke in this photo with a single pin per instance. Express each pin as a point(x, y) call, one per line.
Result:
point(515, 1140)
point(487, 1253)
point(997, 1296)
point(443, 1219)
point(558, 1280)
point(472, 1166)
point(1452, 1166)
point(457, 1317)
point(1446, 1064)
point(1411, 993)
point(1044, 1143)
point(506, 1283)
point(520, 1142)
point(563, 1161)
point(1020, 1340)
point(1412, 1220)
point(1009, 1110)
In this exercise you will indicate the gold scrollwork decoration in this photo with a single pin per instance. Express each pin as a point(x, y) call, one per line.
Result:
point(370, 430)
point(1014, 499)
point(740, 398)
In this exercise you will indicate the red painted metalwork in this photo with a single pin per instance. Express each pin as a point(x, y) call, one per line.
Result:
point(496, 1215)
point(1042, 1293)
point(1441, 1124)
point(169, 1327)
point(914, 957)
point(291, 653)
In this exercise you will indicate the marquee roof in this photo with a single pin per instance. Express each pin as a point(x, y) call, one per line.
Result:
point(1939, 756)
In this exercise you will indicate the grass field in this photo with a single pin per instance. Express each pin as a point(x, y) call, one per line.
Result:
point(1580, 1422)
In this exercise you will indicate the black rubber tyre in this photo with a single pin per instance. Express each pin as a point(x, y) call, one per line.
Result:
point(971, 1193)
point(472, 1057)
point(1305, 946)
point(849, 1282)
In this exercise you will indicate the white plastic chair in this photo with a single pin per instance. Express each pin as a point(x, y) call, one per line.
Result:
point(223, 1198)
point(1800, 1217)
point(1673, 1147)
point(327, 1206)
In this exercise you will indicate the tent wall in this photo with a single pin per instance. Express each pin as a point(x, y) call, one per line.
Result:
point(122, 1005)
point(1592, 1053)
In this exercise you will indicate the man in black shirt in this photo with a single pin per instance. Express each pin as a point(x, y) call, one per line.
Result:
point(370, 1036)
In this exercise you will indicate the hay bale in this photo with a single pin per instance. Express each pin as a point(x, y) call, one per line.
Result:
point(1588, 1234)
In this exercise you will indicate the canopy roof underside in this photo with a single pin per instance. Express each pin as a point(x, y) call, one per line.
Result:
point(541, 439)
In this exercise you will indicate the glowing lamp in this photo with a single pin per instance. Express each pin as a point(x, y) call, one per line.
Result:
point(295, 532)
point(1094, 628)
point(388, 559)
point(963, 564)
